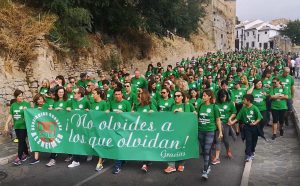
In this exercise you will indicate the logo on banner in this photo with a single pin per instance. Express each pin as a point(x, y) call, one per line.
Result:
point(46, 130)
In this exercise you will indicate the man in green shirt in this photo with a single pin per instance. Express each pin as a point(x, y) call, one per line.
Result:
point(138, 81)
point(250, 117)
point(288, 83)
point(119, 105)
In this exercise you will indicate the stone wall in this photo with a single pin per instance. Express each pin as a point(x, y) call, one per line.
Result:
point(50, 63)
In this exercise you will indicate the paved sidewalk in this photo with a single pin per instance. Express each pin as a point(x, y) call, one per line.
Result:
point(8, 150)
point(278, 162)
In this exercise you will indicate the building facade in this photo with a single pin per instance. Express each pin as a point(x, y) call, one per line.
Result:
point(258, 34)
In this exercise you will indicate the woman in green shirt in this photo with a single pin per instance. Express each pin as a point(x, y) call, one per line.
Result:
point(279, 98)
point(61, 102)
point(45, 87)
point(39, 103)
point(260, 100)
point(144, 105)
point(101, 105)
point(16, 113)
point(178, 106)
point(227, 111)
point(209, 119)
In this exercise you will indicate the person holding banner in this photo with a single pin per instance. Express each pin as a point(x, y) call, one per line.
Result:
point(119, 105)
point(78, 103)
point(61, 102)
point(144, 105)
point(16, 113)
point(39, 103)
point(99, 104)
point(209, 120)
point(178, 106)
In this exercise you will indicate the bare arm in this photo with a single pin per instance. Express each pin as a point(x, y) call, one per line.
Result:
point(219, 125)
point(9, 118)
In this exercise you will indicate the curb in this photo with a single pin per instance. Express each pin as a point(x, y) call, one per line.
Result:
point(7, 159)
point(296, 121)
point(246, 174)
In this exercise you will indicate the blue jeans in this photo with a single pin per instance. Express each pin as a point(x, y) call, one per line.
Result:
point(251, 136)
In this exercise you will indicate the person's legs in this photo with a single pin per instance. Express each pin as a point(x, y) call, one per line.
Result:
point(22, 145)
point(248, 137)
point(288, 112)
point(254, 139)
point(208, 141)
point(282, 117)
point(275, 115)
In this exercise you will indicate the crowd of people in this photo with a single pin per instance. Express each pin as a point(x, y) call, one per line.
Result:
point(233, 94)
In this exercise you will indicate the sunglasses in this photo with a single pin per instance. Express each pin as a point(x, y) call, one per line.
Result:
point(177, 96)
point(230, 77)
point(127, 85)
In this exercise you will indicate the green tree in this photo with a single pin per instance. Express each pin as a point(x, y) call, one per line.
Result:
point(292, 30)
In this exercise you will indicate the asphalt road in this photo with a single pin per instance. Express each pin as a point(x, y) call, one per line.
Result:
point(228, 173)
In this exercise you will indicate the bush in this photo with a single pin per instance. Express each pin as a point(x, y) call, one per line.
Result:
point(113, 62)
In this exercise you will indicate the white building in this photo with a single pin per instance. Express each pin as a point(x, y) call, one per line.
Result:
point(256, 34)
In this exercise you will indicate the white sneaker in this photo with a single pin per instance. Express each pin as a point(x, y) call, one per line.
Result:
point(89, 158)
point(51, 163)
point(74, 164)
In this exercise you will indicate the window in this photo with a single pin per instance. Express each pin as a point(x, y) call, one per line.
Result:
point(253, 44)
point(237, 34)
point(247, 33)
point(253, 33)
point(222, 36)
point(266, 32)
point(260, 45)
point(247, 45)
point(258, 38)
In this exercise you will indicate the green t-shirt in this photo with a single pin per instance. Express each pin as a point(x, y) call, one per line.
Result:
point(49, 101)
point(226, 110)
point(44, 106)
point(267, 84)
point(145, 108)
point(17, 112)
point(185, 107)
point(207, 115)
point(237, 95)
point(61, 104)
point(99, 106)
point(122, 105)
point(81, 83)
point(259, 99)
point(164, 105)
point(70, 96)
point(249, 114)
point(278, 104)
point(131, 97)
point(43, 90)
point(109, 94)
point(287, 83)
point(82, 104)
point(139, 82)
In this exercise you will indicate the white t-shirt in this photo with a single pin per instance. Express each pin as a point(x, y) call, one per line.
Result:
point(293, 63)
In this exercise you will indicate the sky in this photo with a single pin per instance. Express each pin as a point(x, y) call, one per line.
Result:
point(267, 10)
